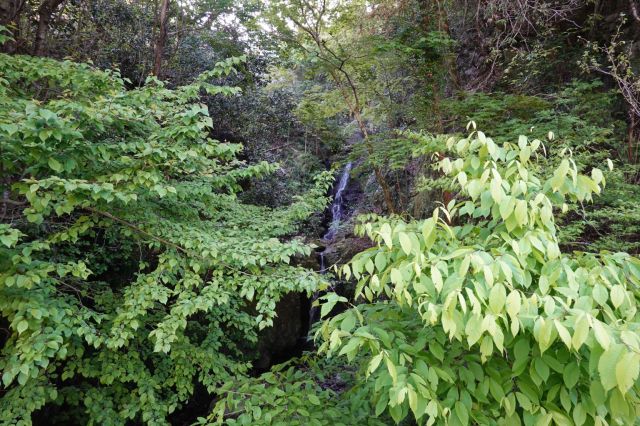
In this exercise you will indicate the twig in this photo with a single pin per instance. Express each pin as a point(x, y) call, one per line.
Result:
point(137, 229)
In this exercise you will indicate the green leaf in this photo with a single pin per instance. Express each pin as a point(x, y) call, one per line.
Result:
point(571, 374)
point(428, 232)
point(393, 372)
point(8, 240)
point(602, 334)
point(464, 267)
point(619, 407)
point(617, 295)
point(385, 233)
point(488, 275)
point(521, 212)
point(497, 298)
point(349, 321)
point(579, 414)
point(396, 413)
point(7, 378)
point(55, 165)
point(381, 405)
point(332, 299)
point(607, 366)
point(436, 277)
point(22, 326)
point(374, 363)
point(413, 402)
point(581, 332)
point(507, 207)
point(597, 392)
point(541, 368)
point(521, 349)
point(461, 412)
point(564, 334)
point(514, 303)
point(627, 370)
point(405, 243)
point(600, 294)
point(496, 191)
point(381, 261)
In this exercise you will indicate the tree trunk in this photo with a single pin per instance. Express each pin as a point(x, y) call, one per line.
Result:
point(449, 59)
point(634, 10)
point(632, 140)
point(386, 191)
point(350, 94)
point(10, 11)
point(161, 40)
point(45, 12)
point(5, 9)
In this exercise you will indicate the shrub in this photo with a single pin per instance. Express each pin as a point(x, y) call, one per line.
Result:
point(130, 273)
point(475, 316)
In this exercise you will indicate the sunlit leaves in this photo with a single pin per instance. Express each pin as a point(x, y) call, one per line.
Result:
point(385, 233)
point(130, 272)
point(487, 283)
point(331, 300)
point(617, 295)
point(580, 332)
point(287, 394)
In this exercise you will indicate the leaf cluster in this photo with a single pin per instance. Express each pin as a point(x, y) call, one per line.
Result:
point(131, 273)
point(476, 316)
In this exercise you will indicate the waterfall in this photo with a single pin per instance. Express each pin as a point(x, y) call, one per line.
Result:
point(337, 204)
point(337, 210)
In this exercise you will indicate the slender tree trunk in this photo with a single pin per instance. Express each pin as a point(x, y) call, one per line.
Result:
point(45, 12)
point(161, 40)
point(632, 140)
point(10, 11)
point(635, 10)
point(351, 96)
point(386, 191)
point(449, 61)
point(355, 108)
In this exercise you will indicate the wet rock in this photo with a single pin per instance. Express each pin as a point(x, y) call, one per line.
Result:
point(286, 338)
point(344, 248)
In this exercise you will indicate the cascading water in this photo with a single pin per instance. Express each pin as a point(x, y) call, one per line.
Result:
point(338, 204)
point(337, 210)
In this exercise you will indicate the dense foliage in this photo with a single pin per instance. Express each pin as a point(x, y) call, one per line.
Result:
point(582, 119)
point(480, 318)
point(130, 271)
point(307, 391)
point(164, 180)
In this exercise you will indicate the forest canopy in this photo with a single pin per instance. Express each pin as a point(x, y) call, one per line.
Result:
point(325, 212)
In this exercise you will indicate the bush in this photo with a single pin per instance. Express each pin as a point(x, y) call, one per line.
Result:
point(475, 316)
point(130, 273)
point(303, 391)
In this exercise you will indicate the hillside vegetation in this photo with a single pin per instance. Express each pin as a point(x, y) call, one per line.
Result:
point(320, 212)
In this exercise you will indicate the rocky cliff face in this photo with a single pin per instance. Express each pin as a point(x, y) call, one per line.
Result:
point(287, 337)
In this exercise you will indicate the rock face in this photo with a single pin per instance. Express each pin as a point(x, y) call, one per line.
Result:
point(344, 248)
point(287, 337)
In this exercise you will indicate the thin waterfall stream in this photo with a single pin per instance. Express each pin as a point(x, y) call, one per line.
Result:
point(337, 212)
point(337, 206)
